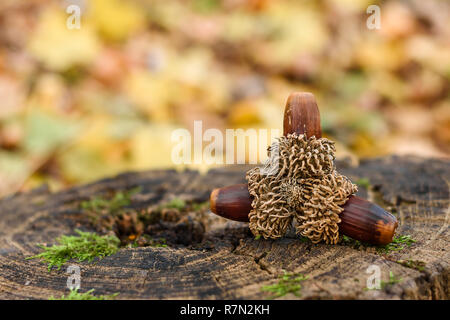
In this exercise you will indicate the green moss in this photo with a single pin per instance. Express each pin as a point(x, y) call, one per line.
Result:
point(85, 246)
point(75, 295)
point(392, 280)
point(118, 201)
point(413, 264)
point(159, 243)
point(347, 241)
point(200, 206)
point(174, 204)
point(397, 244)
point(180, 204)
point(363, 182)
point(155, 214)
point(288, 283)
point(147, 241)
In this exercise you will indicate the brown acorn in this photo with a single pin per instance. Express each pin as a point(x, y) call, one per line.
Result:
point(360, 220)
point(302, 116)
point(232, 202)
point(367, 222)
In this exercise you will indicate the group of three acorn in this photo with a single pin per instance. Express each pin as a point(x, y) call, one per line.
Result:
point(323, 218)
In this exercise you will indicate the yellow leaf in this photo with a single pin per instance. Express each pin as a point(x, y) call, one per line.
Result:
point(58, 47)
point(116, 19)
point(151, 147)
point(151, 93)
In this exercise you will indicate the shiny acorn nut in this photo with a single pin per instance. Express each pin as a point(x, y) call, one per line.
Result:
point(301, 115)
point(360, 220)
point(367, 222)
point(232, 202)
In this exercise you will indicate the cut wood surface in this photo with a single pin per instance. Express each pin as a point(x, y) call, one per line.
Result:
point(229, 263)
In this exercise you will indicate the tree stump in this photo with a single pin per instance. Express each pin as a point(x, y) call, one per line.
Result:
point(228, 263)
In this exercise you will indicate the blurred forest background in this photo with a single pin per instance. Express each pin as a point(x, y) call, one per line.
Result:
point(78, 105)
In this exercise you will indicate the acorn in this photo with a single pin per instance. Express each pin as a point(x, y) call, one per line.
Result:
point(367, 222)
point(360, 219)
point(232, 202)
